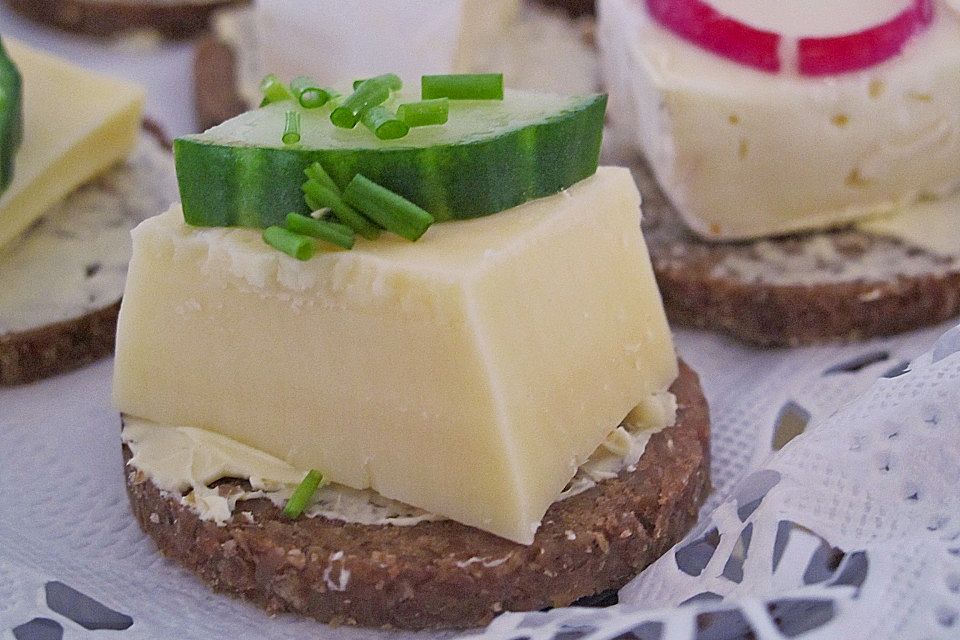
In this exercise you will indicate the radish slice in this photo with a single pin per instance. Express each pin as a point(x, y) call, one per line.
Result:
point(701, 24)
point(704, 26)
point(827, 56)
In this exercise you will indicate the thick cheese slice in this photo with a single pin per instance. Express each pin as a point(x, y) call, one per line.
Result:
point(76, 125)
point(369, 37)
point(933, 225)
point(468, 374)
point(745, 154)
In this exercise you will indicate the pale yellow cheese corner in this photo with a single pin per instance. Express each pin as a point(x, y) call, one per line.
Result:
point(468, 374)
point(76, 124)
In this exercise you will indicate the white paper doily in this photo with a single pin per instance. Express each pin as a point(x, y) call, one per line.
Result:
point(848, 484)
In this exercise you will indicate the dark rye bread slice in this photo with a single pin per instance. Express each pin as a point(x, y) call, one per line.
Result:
point(102, 18)
point(800, 289)
point(441, 574)
point(85, 332)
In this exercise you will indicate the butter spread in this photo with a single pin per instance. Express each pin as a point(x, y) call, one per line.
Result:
point(73, 260)
point(184, 461)
point(744, 154)
point(533, 332)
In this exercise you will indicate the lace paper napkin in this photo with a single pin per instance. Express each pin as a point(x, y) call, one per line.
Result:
point(847, 531)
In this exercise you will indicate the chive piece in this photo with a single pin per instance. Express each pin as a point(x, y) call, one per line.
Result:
point(425, 112)
point(326, 231)
point(292, 244)
point(308, 93)
point(318, 196)
point(316, 173)
point(291, 132)
point(392, 81)
point(273, 90)
point(463, 86)
point(368, 93)
point(386, 208)
point(303, 494)
point(384, 123)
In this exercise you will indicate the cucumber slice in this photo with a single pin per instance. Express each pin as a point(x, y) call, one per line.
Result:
point(11, 116)
point(489, 156)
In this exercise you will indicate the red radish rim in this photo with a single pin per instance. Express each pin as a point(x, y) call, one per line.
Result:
point(700, 24)
point(828, 56)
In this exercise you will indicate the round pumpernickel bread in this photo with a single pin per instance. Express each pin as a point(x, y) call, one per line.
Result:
point(57, 347)
point(215, 81)
point(442, 574)
point(174, 19)
point(800, 289)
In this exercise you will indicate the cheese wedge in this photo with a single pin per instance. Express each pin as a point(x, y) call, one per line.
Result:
point(76, 125)
point(745, 154)
point(468, 374)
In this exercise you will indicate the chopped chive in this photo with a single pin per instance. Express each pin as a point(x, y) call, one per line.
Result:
point(292, 244)
point(303, 494)
point(326, 231)
point(392, 81)
point(310, 94)
point(317, 173)
point(291, 132)
point(333, 224)
point(369, 93)
point(318, 196)
point(384, 123)
point(386, 208)
point(425, 112)
point(273, 90)
point(463, 86)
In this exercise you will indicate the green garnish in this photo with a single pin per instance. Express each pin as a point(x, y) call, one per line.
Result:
point(463, 86)
point(384, 123)
point(319, 197)
point(327, 231)
point(425, 112)
point(303, 494)
point(369, 93)
point(291, 132)
point(318, 174)
point(391, 211)
point(273, 90)
point(392, 81)
point(292, 244)
point(309, 93)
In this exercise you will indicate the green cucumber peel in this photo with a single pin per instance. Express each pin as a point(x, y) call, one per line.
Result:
point(11, 116)
point(489, 156)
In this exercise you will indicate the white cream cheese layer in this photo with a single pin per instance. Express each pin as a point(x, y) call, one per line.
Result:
point(184, 461)
point(746, 154)
point(73, 260)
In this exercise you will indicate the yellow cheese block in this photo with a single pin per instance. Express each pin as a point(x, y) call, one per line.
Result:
point(76, 125)
point(468, 374)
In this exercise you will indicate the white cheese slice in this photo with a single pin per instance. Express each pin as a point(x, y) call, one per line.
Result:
point(933, 225)
point(468, 374)
point(76, 124)
point(745, 154)
point(461, 36)
point(329, 40)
